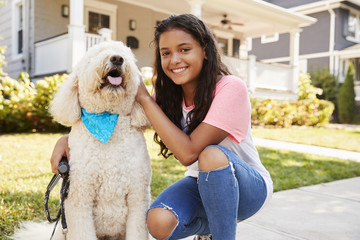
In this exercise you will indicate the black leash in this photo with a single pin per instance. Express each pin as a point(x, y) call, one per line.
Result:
point(63, 170)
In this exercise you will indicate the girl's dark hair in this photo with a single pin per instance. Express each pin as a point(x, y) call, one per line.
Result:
point(169, 96)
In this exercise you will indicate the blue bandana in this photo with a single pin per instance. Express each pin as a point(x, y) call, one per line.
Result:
point(100, 125)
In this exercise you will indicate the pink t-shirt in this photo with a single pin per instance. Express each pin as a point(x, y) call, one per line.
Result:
point(230, 111)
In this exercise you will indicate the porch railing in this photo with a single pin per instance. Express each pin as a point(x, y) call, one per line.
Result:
point(92, 39)
point(52, 55)
point(263, 79)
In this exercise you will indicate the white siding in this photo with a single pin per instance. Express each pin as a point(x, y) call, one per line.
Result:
point(13, 66)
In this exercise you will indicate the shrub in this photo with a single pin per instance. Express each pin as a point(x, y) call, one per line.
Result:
point(327, 82)
point(346, 97)
point(16, 101)
point(45, 90)
point(23, 106)
point(307, 111)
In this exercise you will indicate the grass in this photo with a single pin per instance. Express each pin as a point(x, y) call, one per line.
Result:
point(25, 173)
point(345, 139)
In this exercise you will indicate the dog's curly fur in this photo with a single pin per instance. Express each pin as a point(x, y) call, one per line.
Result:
point(109, 183)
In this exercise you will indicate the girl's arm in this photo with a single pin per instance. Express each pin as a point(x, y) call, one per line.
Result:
point(185, 148)
point(61, 149)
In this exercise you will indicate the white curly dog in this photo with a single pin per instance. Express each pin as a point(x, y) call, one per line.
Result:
point(109, 183)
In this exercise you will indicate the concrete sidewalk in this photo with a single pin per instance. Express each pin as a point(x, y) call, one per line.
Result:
point(328, 211)
point(322, 212)
point(329, 152)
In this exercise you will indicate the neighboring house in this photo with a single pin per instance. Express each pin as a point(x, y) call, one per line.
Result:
point(44, 37)
point(333, 41)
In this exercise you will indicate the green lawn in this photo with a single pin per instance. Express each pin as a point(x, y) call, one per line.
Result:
point(346, 139)
point(25, 174)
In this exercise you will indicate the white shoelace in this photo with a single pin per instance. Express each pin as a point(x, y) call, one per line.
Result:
point(203, 237)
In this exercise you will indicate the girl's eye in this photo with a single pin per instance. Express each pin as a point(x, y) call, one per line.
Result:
point(164, 54)
point(185, 49)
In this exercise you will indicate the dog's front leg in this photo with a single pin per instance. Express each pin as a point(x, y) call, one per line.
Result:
point(138, 202)
point(78, 207)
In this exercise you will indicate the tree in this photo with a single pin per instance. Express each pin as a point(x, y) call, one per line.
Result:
point(346, 97)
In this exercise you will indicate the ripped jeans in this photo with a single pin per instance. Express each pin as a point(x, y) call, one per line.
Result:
point(216, 201)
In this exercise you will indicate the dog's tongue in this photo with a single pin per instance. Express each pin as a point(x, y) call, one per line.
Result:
point(114, 80)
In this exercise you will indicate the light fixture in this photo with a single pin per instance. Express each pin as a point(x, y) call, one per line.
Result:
point(65, 10)
point(132, 24)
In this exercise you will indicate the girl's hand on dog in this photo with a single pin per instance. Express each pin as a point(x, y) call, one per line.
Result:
point(61, 149)
point(142, 94)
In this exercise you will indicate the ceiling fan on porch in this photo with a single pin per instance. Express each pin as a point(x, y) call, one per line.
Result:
point(227, 22)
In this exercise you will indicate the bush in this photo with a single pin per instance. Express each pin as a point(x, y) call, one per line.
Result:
point(307, 111)
point(23, 106)
point(346, 97)
point(327, 82)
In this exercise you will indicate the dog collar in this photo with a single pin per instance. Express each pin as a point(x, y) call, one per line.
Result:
point(100, 125)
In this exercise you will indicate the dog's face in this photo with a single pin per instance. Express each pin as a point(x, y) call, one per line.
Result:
point(108, 79)
point(105, 80)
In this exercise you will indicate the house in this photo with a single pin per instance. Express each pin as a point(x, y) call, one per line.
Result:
point(46, 37)
point(333, 41)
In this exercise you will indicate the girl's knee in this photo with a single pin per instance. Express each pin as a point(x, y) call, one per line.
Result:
point(212, 158)
point(161, 222)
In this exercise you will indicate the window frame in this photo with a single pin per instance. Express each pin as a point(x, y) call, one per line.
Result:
point(356, 37)
point(269, 38)
point(101, 8)
point(17, 13)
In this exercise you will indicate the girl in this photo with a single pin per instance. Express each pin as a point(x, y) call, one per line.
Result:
point(202, 116)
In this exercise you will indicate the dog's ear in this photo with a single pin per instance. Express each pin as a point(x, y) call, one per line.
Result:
point(65, 107)
point(138, 117)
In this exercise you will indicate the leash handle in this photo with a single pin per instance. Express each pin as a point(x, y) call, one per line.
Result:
point(63, 169)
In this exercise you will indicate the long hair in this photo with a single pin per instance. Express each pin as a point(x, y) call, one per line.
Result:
point(169, 96)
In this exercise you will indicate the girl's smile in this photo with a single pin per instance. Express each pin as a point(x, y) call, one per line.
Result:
point(179, 70)
point(181, 57)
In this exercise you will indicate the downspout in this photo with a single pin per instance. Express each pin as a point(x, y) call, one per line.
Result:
point(332, 40)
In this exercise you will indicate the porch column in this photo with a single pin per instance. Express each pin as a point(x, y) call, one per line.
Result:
point(251, 74)
point(294, 58)
point(76, 29)
point(195, 7)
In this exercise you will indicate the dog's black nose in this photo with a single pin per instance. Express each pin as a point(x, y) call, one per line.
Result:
point(117, 59)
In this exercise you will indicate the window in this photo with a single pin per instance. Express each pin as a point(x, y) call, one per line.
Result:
point(20, 30)
point(17, 29)
point(99, 15)
point(227, 43)
point(223, 45)
point(98, 21)
point(270, 38)
point(353, 27)
point(236, 48)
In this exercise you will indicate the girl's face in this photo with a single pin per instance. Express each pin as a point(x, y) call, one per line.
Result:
point(181, 56)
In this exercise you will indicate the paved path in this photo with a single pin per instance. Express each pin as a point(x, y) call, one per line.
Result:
point(329, 211)
point(329, 152)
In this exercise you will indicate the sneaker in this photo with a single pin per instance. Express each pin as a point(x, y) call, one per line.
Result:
point(203, 237)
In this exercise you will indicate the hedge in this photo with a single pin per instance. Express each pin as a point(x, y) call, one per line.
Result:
point(308, 110)
point(24, 105)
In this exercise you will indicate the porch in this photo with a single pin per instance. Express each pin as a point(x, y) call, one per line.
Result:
point(263, 80)
point(256, 18)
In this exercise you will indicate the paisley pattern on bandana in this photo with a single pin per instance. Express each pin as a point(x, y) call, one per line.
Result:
point(100, 125)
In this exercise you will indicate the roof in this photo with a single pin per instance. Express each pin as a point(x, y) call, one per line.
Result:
point(258, 17)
